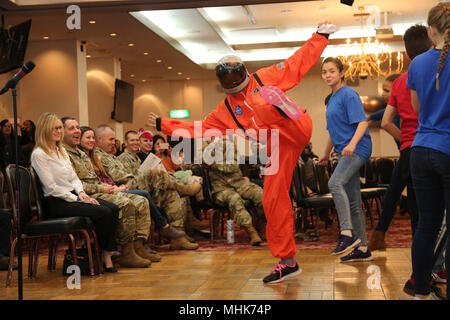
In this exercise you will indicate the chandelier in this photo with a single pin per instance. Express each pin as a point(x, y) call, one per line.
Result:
point(373, 58)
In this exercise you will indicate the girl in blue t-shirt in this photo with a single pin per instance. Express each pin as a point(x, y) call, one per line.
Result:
point(429, 81)
point(349, 135)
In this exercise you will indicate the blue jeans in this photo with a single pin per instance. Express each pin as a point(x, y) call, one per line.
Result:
point(401, 177)
point(430, 171)
point(391, 198)
point(156, 215)
point(345, 186)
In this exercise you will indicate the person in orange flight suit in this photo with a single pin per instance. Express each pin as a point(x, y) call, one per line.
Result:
point(246, 108)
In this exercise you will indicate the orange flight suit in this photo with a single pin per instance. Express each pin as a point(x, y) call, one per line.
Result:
point(253, 112)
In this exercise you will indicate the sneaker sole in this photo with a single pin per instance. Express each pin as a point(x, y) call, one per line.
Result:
point(277, 97)
point(358, 260)
point(290, 275)
point(354, 244)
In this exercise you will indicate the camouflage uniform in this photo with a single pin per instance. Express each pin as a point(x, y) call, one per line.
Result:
point(161, 186)
point(134, 212)
point(229, 188)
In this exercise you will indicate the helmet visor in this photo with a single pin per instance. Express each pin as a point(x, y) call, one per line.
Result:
point(231, 72)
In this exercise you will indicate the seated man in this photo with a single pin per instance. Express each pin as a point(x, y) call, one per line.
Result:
point(5, 245)
point(134, 216)
point(230, 188)
point(165, 190)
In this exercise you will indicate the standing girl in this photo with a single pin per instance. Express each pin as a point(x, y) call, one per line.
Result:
point(347, 126)
point(429, 81)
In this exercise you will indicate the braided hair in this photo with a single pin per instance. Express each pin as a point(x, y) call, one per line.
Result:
point(438, 17)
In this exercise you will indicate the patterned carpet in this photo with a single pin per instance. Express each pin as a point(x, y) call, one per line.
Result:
point(398, 236)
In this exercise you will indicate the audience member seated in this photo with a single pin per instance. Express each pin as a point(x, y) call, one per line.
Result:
point(134, 216)
point(63, 191)
point(27, 140)
point(163, 151)
point(231, 189)
point(129, 160)
point(164, 189)
point(145, 144)
point(7, 147)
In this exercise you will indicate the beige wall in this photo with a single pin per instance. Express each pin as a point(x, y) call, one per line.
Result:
point(53, 84)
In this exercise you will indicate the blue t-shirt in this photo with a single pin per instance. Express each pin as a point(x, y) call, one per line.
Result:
point(434, 115)
point(378, 116)
point(344, 111)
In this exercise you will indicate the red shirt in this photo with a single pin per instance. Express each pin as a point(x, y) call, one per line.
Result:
point(401, 100)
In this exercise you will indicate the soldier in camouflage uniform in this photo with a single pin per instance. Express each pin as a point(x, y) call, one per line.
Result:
point(134, 214)
point(132, 162)
point(231, 189)
point(165, 190)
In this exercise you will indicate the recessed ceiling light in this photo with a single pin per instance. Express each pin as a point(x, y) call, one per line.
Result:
point(113, 34)
point(88, 56)
point(180, 73)
point(144, 80)
point(145, 53)
point(131, 44)
point(92, 21)
point(286, 11)
point(159, 61)
point(46, 38)
point(188, 78)
point(132, 75)
point(170, 68)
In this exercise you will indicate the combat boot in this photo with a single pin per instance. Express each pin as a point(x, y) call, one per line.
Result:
point(255, 240)
point(141, 252)
point(188, 189)
point(199, 196)
point(129, 258)
point(182, 244)
point(193, 223)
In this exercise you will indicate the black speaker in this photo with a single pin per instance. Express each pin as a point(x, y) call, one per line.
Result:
point(348, 2)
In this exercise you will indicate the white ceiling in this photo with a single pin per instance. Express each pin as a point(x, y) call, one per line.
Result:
point(192, 38)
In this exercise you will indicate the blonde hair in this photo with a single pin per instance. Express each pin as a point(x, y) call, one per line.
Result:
point(438, 18)
point(44, 128)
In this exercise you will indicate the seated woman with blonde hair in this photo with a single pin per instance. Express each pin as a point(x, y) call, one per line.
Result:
point(63, 191)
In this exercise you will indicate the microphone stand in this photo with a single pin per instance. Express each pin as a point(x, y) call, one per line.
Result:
point(17, 184)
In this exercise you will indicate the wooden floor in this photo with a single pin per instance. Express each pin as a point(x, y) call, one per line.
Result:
point(226, 275)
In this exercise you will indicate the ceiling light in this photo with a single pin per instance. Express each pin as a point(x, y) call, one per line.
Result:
point(46, 38)
point(145, 53)
point(286, 11)
point(113, 34)
point(92, 21)
point(180, 73)
point(170, 68)
point(88, 56)
point(144, 80)
point(159, 61)
point(131, 44)
point(132, 75)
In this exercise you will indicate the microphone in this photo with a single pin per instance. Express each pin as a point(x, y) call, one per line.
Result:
point(27, 68)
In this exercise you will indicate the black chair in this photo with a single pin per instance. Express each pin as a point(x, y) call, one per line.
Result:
point(305, 202)
point(88, 233)
point(384, 167)
point(34, 227)
point(218, 214)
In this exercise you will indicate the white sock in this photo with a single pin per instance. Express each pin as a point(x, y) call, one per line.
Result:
point(347, 233)
point(363, 248)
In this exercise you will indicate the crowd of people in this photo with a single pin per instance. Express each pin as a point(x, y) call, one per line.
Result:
point(85, 171)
